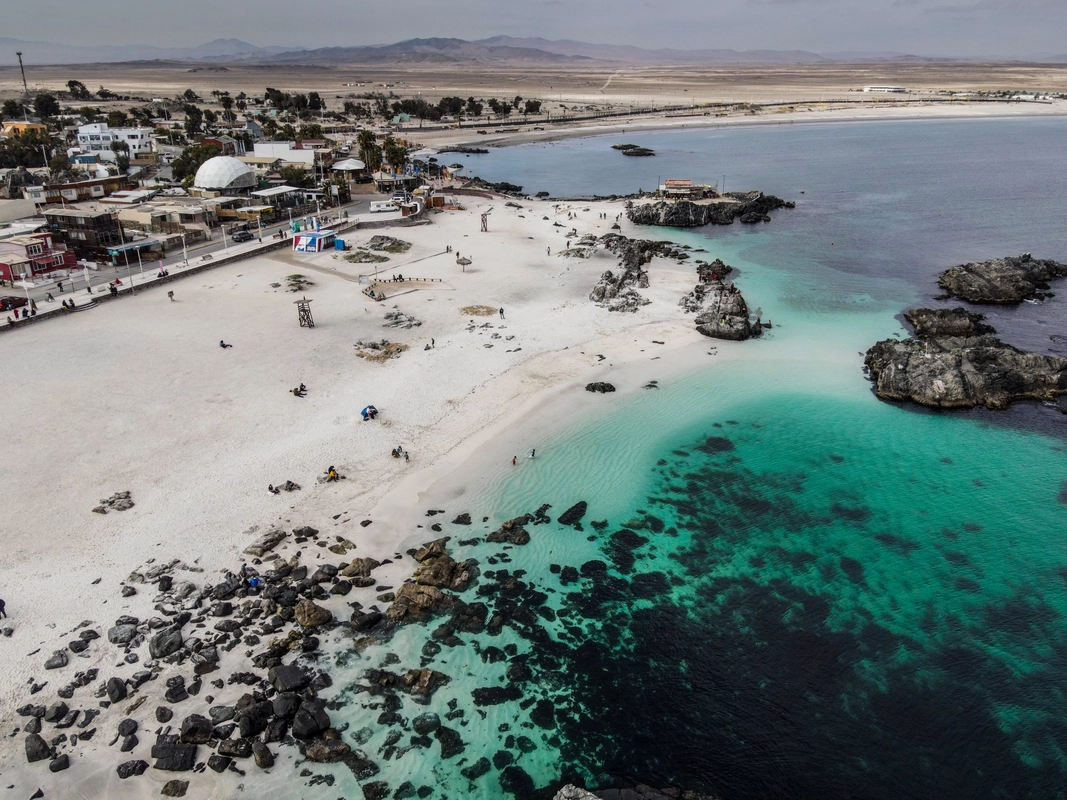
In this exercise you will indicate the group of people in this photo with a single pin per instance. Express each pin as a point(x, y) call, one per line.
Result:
point(400, 452)
point(29, 312)
point(299, 391)
point(288, 486)
point(250, 578)
point(163, 273)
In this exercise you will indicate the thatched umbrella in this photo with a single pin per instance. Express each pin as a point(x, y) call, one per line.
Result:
point(463, 262)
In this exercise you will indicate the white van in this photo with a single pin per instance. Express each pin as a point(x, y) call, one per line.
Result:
point(382, 205)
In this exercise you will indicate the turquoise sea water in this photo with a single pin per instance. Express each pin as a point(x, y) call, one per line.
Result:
point(793, 590)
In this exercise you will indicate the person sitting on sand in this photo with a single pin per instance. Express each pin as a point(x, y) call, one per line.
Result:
point(50, 299)
point(290, 486)
point(272, 488)
point(298, 392)
point(394, 453)
point(303, 388)
point(223, 344)
point(331, 475)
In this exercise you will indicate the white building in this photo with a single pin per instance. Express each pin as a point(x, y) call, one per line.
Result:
point(286, 151)
point(97, 137)
point(885, 89)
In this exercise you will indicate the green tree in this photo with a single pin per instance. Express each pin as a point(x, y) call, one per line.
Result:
point(122, 156)
point(46, 105)
point(532, 107)
point(12, 109)
point(193, 119)
point(105, 94)
point(78, 91)
point(189, 96)
point(450, 106)
point(309, 132)
point(227, 109)
point(184, 167)
point(474, 108)
point(295, 175)
point(315, 102)
point(516, 102)
point(117, 119)
point(395, 153)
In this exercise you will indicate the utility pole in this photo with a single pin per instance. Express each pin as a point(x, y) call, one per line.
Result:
point(25, 88)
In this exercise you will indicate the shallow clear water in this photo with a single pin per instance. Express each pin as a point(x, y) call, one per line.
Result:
point(799, 591)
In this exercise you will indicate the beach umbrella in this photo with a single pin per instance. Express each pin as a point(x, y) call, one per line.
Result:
point(463, 262)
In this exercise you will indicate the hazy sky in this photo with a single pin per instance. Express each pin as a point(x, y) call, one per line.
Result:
point(1020, 28)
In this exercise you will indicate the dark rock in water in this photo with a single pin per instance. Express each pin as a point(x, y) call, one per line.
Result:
point(116, 689)
point(1005, 281)
point(716, 444)
point(375, 790)
point(568, 575)
point(327, 752)
point(573, 514)
point(286, 704)
point(129, 769)
point(416, 682)
point(544, 714)
point(477, 769)
point(310, 720)
point(59, 763)
point(172, 755)
point(686, 214)
point(638, 151)
point(288, 678)
point(518, 672)
point(599, 386)
point(511, 532)
point(516, 781)
point(175, 788)
point(957, 372)
point(425, 724)
point(58, 659)
point(451, 742)
point(37, 749)
point(164, 714)
point(494, 695)
point(235, 748)
point(196, 729)
point(252, 719)
point(946, 322)
point(462, 519)
point(164, 643)
point(263, 755)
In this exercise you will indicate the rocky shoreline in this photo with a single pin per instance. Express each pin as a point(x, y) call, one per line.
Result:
point(748, 207)
point(955, 361)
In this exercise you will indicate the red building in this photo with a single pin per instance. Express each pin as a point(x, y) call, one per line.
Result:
point(33, 254)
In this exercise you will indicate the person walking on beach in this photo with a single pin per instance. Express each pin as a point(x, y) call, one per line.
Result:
point(502, 313)
point(548, 251)
point(533, 453)
point(3, 611)
point(171, 296)
point(514, 460)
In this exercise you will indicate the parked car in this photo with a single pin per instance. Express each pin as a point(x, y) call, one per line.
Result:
point(243, 236)
point(8, 303)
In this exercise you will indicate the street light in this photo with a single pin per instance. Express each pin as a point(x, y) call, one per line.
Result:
point(185, 253)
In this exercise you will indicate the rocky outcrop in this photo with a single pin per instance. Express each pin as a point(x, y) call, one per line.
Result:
point(963, 372)
point(749, 207)
point(616, 288)
point(721, 310)
point(946, 322)
point(600, 387)
point(1004, 281)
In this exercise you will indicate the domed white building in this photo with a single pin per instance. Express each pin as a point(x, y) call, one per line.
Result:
point(224, 174)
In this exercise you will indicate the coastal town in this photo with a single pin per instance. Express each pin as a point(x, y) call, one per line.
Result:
point(350, 458)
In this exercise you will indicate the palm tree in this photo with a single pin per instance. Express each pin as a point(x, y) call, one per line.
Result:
point(395, 153)
point(366, 141)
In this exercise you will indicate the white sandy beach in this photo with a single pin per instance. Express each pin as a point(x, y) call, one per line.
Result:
point(137, 395)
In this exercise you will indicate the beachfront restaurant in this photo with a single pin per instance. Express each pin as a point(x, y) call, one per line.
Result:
point(314, 241)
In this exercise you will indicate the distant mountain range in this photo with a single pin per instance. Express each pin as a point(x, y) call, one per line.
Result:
point(51, 53)
point(495, 50)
